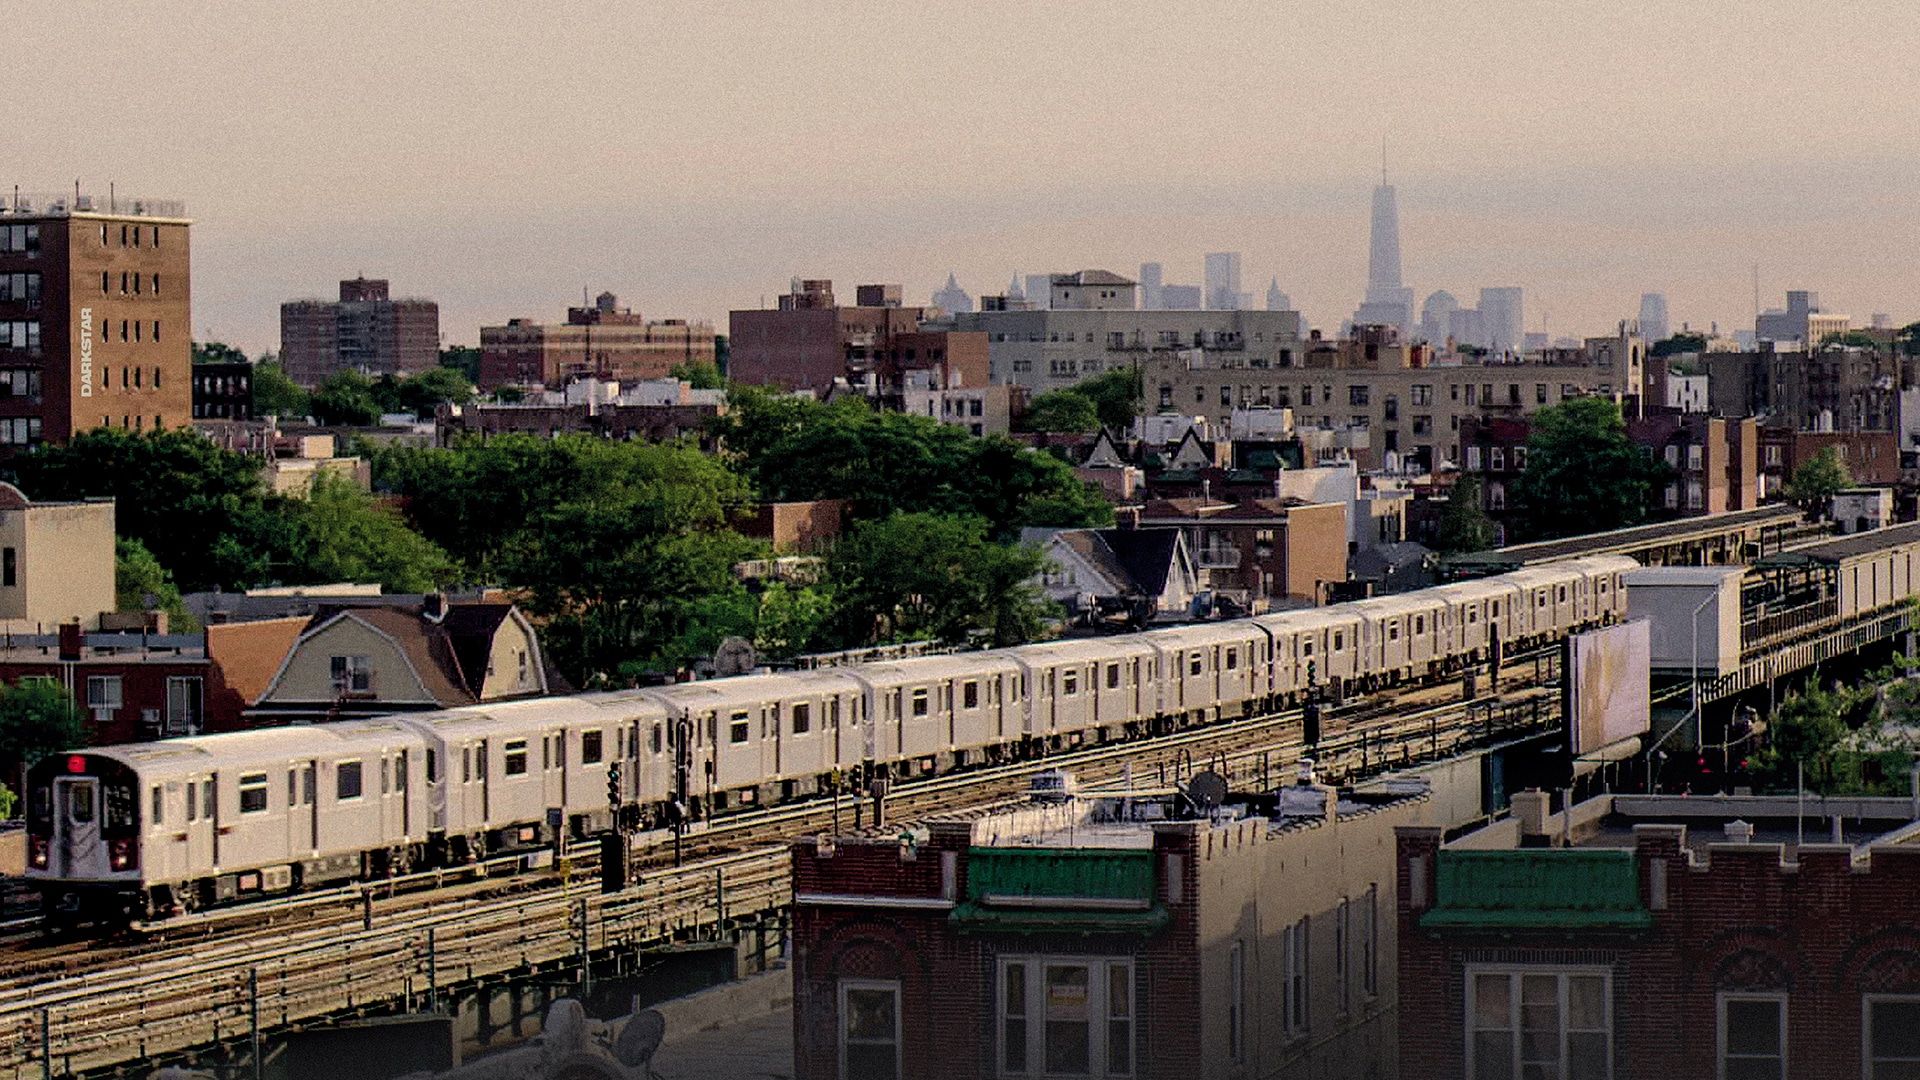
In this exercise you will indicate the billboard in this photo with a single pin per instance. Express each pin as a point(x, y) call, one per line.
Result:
point(1607, 681)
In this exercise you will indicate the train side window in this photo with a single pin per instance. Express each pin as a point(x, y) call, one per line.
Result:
point(1113, 676)
point(1496, 609)
point(206, 799)
point(513, 757)
point(307, 788)
point(739, 728)
point(384, 788)
point(1393, 631)
point(159, 815)
point(1306, 647)
point(656, 738)
point(1233, 659)
point(1419, 624)
point(400, 774)
point(1473, 616)
point(619, 742)
point(253, 793)
point(1069, 683)
point(1561, 596)
point(1339, 641)
point(1197, 662)
point(560, 750)
point(802, 717)
point(920, 702)
point(466, 764)
point(346, 778)
point(193, 804)
point(591, 747)
point(833, 714)
point(480, 761)
point(970, 693)
point(546, 752)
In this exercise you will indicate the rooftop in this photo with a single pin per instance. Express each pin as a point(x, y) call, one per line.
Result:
point(1628, 538)
point(64, 204)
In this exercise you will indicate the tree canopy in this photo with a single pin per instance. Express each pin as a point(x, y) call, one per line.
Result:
point(38, 718)
point(1061, 410)
point(1116, 396)
point(1583, 474)
point(941, 577)
point(217, 352)
point(276, 395)
point(140, 582)
point(464, 359)
point(1682, 342)
point(700, 374)
point(346, 399)
point(1819, 478)
point(1464, 526)
point(886, 463)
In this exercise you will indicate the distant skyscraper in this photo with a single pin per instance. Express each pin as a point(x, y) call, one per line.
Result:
point(1150, 281)
point(1502, 318)
point(953, 299)
point(1223, 280)
point(1882, 321)
point(1467, 328)
point(1039, 290)
point(1277, 300)
point(1653, 316)
point(1436, 316)
point(1181, 297)
point(1389, 302)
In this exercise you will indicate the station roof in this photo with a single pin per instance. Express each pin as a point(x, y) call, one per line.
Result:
point(1618, 541)
point(1842, 548)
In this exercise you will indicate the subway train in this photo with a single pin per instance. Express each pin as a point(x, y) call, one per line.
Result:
point(147, 830)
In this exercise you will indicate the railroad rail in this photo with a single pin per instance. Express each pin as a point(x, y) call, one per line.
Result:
point(413, 949)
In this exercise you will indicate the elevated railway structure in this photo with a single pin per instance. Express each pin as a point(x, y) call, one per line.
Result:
point(1733, 538)
point(220, 981)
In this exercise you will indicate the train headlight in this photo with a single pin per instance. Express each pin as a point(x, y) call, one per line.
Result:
point(37, 852)
point(120, 854)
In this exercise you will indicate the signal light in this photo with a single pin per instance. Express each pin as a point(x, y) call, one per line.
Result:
point(37, 850)
point(76, 764)
point(613, 784)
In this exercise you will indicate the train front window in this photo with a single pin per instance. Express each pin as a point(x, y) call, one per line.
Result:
point(120, 811)
point(80, 802)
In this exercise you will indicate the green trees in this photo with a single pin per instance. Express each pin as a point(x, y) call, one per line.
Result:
point(1682, 342)
point(217, 352)
point(1061, 410)
point(1818, 479)
point(916, 575)
point(700, 374)
point(276, 395)
point(346, 399)
point(1583, 474)
point(1464, 526)
point(37, 718)
point(425, 392)
point(140, 582)
point(887, 463)
point(344, 535)
point(464, 359)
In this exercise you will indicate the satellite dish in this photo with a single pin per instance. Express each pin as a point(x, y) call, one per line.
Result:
point(1207, 789)
point(640, 1038)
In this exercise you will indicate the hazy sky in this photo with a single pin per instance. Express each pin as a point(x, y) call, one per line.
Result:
point(693, 157)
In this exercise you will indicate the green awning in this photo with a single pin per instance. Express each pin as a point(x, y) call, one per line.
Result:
point(981, 918)
point(1046, 889)
point(1542, 889)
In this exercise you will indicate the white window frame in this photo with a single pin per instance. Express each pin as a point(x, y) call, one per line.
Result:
point(1779, 1000)
point(891, 986)
point(1867, 1002)
point(1513, 972)
point(104, 705)
point(1100, 1017)
point(355, 674)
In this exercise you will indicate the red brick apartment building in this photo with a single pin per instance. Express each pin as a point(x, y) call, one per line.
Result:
point(1664, 937)
point(810, 341)
point(94, 304)
point(1095, 941)
point(366, 330)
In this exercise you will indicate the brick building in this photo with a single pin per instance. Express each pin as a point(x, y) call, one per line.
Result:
point(624, 422)
point(94, 327)
point(810, 341)
point(1101, 938)
point(604, 341)
point(1269, 549)
point(1871, 457)
point(1649, 936)
point(366, 330)
point(223, 391)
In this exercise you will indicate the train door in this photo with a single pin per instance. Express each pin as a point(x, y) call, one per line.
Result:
point(200, 824)
point(553, 768)
point(76, 801)
point(402, 786)
point(773, 747)
point(301, 821)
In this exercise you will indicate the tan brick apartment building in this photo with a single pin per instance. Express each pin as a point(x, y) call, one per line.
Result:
point(94, 317)
point(605, 341)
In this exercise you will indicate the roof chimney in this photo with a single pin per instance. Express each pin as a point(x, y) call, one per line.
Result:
point(433, 606)
point(72, 641)
point(1739, 832)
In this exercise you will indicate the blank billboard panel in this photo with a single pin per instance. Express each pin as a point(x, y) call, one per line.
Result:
point(1608, 685)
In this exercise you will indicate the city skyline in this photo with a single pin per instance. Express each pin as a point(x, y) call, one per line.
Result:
point(1686, 180)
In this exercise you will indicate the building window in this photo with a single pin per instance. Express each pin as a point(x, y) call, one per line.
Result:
point(591, 749)
point(1556, 1025)
point(183, 704)
point(253, 793)
point(347, 781)
point(1237, 1001)
point(1540, 393)
point(1753, 1036)
point(1066, 1016)
point(1370, 929)
point(869, 1029)
point(1358, 395)
point(1293, 974)
point(103, 696)
point(352, 674)
point(1892, 1036)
